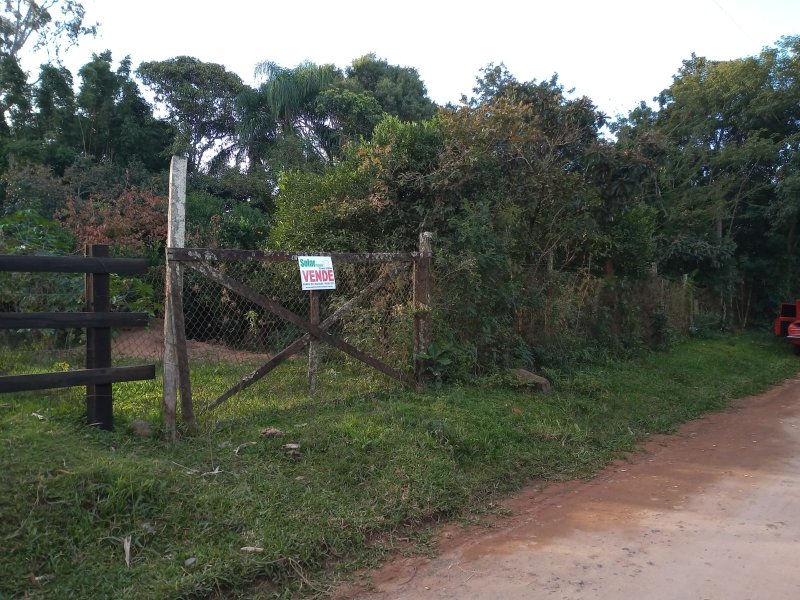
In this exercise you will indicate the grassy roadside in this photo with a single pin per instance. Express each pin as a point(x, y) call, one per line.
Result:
point(368, 465)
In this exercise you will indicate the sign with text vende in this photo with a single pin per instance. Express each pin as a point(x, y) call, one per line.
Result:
point(316, 273)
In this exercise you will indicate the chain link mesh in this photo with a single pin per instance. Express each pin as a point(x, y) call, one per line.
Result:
point(228, 336)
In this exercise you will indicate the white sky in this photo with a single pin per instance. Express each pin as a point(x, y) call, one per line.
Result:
point(617, 52)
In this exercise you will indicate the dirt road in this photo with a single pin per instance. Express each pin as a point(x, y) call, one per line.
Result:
point(712, 512)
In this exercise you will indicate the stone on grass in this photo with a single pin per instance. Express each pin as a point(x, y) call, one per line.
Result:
point(532, 380)
point(271, 432)
point(141, 428)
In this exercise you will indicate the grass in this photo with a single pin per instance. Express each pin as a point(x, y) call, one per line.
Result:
point(373, 466)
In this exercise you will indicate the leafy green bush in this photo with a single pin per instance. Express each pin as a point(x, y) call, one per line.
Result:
point(132, 294)
point(216, 222)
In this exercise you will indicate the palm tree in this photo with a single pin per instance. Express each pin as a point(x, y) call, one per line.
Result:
point(280, 123)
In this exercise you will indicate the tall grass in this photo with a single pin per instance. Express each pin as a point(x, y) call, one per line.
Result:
point(370, 465)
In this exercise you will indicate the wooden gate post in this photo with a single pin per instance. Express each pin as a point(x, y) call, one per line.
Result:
point(313, 346)
point(176, 360)
point(422, 302)
point(99, 401)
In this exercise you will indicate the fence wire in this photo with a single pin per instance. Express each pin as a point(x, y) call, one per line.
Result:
point(229, 337)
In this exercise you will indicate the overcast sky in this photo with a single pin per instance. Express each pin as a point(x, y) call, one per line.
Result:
point(617, 52)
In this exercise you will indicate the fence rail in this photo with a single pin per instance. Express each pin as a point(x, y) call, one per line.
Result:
point(77, 320)
point(214, 255)
point(73, 264)
point(46, 381)
point(99, 375)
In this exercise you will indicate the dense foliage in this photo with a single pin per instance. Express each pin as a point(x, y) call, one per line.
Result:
point(554, 239)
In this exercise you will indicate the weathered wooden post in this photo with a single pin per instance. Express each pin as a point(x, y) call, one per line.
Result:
point(313, 346)
point(176, 359)
point(691, 303)
point(99, 400)
point(422, 302)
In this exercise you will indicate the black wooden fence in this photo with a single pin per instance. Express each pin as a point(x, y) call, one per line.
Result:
point(97, 320)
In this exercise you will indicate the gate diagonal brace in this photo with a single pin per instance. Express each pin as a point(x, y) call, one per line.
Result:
point(316, 331)
point(300, 342)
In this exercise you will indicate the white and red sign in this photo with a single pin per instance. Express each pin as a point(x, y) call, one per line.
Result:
point(316, 273)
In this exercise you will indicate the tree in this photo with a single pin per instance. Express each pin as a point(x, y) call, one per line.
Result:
point(290, 93)
point(303, 117)
point(523, 155)
point(116, 123)
point(56, 122)
point(726, 136)
point(200, 100)
point(398, 90)
point(15, 97)
point(328, 210)
point(16, 114)
point(351, 116)
point(283, 112)
point(502, 183)
point(25, 21)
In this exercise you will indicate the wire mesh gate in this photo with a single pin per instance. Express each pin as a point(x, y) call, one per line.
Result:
point(244, 316)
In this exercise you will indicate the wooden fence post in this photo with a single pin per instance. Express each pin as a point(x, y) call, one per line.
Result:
point(99, 400)
point(687, 302)
point(313, 346)
point(176, 359)
point(422, 302)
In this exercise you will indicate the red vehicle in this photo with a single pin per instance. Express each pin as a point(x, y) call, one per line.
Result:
point(788, 323)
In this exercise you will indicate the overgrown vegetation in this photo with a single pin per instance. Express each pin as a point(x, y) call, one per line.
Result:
point(371, 469)
point(557, 249)
point(552, 239)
